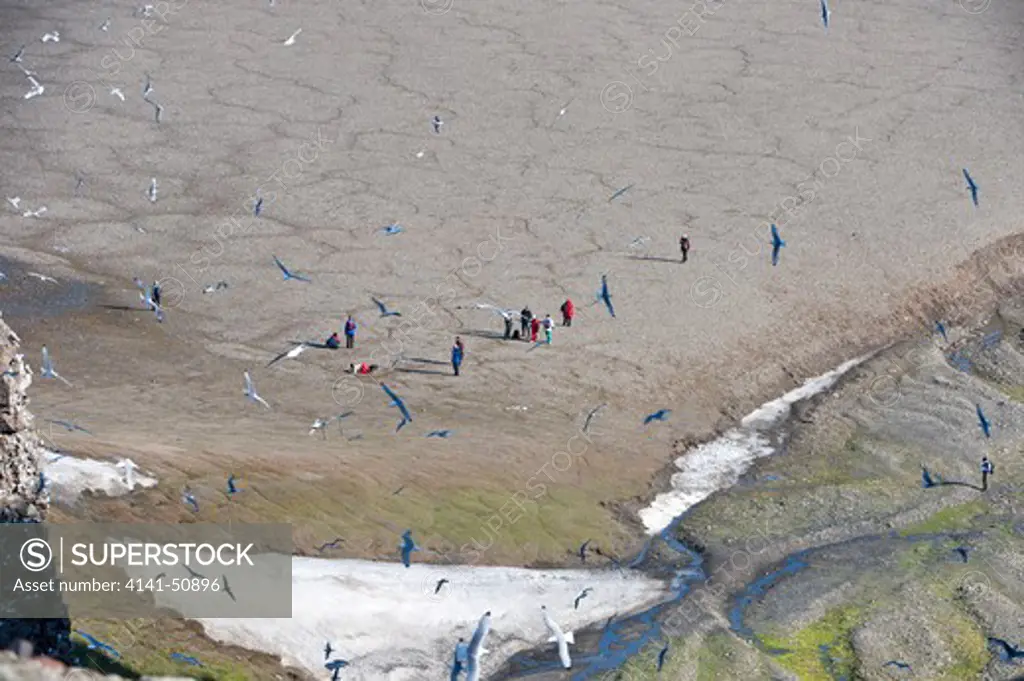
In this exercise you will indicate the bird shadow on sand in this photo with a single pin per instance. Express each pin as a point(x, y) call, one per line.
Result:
point(492, 335)
point(424, 360)
point(124, 308)
point(655, 258)
point(430, 372)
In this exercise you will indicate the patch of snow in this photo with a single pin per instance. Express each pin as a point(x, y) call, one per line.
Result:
point(715, 465)
point(68, 477)
point(387, 622)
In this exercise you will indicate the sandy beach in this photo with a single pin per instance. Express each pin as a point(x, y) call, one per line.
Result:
point(851, 139)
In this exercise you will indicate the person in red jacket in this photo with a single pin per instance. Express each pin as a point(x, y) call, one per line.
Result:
point(534, 329)
point(568, 310)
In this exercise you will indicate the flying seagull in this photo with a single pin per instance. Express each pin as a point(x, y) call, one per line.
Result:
point(330, 545)
point(250, 391)
point(335, 665)
point(926, 479)
point(151, 192)
point(460, 659)
point(291, 39)
point(582, 553)
point(983, 422)
point(288, 274)
point(34, 213)
point(973, 188)
point(561, 112)
point(212, 288)
point(777, 243)
point(501, 312)
point(96, 644)
point(14, 202)
point(407, 546)
point(187, 659)
point(557, 636)
point(441, 582)
point(396, 401)
point(476, 647)
point(157, 109)
point(962, 552)
point(327, 650)
point(620, 192)
point(258, 206)
point(105, 25)
point(605, 296)
point(660, 415)
point(437, 123)
point(392, 229)
point(16, 57)
point(591, 415)
point(941, 328)
point(188, 498)
point(51, 37)
point(227, 588)
point(48, 370)
point(1006, 650)
point(638, 242)
point(583, 594)
point(231, 484)
point(147, 87)
point(42, 277)
point(69, 426)
point(439, 433)
point(661, 657)
point(291, 353)
point(37, 88)
point(384, 311)
point(825, 14)
point(320, 425)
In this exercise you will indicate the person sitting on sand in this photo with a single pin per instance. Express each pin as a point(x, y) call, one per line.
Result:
point(334, 342)
point(362, 368)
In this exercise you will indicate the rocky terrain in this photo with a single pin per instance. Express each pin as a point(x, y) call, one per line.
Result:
point(835, 559)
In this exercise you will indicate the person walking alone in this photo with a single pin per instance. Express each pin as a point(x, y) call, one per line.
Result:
point(684, 246)
point(525, 317)
point(350, 332)
point(458, 352)
point(987, 469)
point(568, 311)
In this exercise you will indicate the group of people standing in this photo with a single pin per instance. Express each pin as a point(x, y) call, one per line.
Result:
point(530, 326)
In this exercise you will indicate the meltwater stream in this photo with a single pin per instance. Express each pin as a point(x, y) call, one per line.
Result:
point(703, 470)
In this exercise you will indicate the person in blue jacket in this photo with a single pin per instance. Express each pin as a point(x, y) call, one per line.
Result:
point(458, 351)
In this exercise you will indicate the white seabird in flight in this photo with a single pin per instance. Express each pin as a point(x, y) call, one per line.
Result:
point(116, 92)
point(250, 391)
point(36, 90)
point(289, 354)
point(51, 37)
point(16, 57)
point(147, 87)
point(42, 277)
point(105, 25)
point(291, 39)
point(557, 636)
point(151, 192)
point(14, 202)
point(48, 370)
point(38, 213)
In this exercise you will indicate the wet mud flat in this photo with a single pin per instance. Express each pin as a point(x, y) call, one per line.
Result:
point(833, 559)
